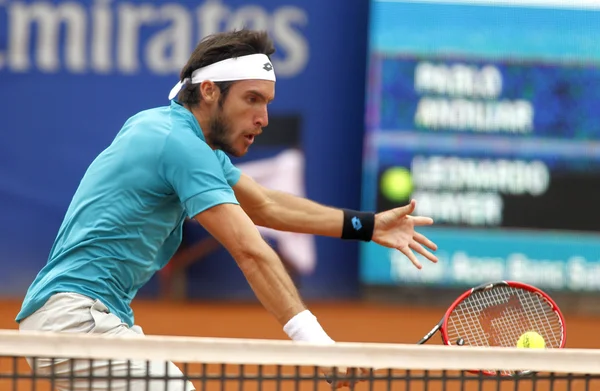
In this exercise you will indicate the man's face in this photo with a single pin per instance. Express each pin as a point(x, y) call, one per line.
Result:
point(241, 117)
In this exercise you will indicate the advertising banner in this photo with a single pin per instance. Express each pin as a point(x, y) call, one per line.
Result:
point(72, 72)
point(495, 135)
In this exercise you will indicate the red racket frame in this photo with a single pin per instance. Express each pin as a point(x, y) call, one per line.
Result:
point(442, 326)
point(514, 284)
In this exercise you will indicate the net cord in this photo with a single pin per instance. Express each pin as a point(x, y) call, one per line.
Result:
point(285, 352)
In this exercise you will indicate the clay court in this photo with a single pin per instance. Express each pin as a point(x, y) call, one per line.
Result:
point(344, 321)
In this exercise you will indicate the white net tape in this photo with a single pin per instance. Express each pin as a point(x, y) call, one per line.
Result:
point(283, 352)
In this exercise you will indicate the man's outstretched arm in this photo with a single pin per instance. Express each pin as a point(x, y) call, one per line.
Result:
point(266, 275)
point(286, 212)
point(263, 270)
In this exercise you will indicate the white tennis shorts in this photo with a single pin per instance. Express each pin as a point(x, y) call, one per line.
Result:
point(74, 313)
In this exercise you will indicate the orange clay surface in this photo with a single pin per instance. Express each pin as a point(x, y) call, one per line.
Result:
point(344, 322)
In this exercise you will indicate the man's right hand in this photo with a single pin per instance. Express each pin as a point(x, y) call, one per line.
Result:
point(345, 377)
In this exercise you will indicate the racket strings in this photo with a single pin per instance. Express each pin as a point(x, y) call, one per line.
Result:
point(498, 317)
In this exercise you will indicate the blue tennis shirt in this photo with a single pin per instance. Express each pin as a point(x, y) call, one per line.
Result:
point(125, 220)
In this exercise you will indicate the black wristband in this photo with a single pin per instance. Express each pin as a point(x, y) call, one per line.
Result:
point(358, 225)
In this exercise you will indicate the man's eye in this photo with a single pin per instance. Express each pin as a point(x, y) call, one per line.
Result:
point(252, 99)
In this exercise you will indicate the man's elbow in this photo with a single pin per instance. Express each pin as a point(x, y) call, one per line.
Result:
point(248, 255)
point(262, 216)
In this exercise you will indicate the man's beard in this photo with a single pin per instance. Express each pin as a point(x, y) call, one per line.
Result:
point(219, 132)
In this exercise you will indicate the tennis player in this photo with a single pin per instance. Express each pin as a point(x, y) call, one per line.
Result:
point(125, 220)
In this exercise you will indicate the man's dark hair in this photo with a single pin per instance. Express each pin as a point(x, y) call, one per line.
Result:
point(218, 47)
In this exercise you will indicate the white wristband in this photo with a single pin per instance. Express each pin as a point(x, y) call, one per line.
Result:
point(304, 326)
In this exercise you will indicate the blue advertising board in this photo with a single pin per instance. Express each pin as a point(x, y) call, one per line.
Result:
point(72, 72)
point(494, 132)
point(523, 99)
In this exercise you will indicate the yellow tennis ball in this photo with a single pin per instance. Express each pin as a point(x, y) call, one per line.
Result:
point(531, 340)
point(396, 184)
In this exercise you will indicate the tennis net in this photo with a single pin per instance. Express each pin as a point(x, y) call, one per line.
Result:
point(97, 362)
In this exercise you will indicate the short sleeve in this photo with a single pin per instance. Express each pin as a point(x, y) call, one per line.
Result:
point(231, 172)
point(195, 173)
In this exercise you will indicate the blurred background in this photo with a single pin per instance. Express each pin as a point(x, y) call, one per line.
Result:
point(487, 113)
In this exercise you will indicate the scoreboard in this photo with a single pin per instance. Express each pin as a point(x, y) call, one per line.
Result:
point(488, 116)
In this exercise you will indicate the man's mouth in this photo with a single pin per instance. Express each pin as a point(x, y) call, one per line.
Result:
point(249, 138)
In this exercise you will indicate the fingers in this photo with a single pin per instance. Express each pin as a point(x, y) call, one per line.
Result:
point(423, 251)
point(422, 239)
point(409, 254)
point(341, 377)
point(407, 209)
point(354, 376)
point(419, 220)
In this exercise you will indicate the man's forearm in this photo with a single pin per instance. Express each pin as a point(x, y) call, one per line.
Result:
point(275, 290)
point(288, 212)
point(271, 284)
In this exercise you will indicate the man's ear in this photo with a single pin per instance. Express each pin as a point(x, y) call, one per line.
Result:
point(209, 91)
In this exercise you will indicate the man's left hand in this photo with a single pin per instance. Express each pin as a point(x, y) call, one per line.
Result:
point(395, 228)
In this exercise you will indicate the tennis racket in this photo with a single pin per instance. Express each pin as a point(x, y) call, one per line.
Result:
point(497, 314)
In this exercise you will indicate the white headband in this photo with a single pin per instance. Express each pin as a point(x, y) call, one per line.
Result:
point(253, 66)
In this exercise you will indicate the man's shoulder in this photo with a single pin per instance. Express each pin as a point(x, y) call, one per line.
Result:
point(147, 124)
point(150, 117)
point(182, 145)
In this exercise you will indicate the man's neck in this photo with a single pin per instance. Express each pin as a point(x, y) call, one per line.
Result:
point(202, 119)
